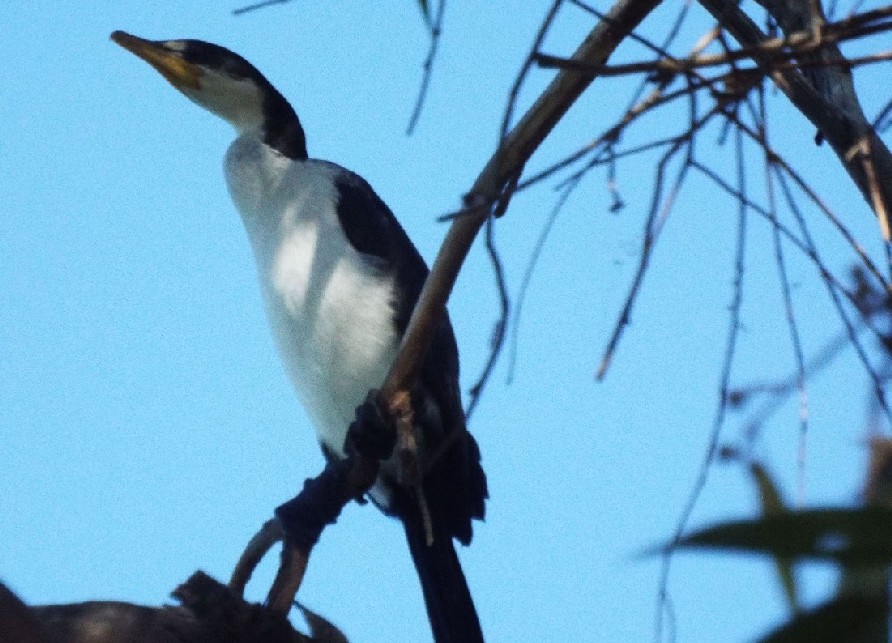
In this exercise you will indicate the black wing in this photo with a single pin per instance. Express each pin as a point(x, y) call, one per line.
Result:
point(456, 485)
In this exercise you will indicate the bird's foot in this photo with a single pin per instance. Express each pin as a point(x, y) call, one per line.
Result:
point(371, 434)
point(299, 523)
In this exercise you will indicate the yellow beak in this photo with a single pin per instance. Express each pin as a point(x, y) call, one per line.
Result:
point(177, 71)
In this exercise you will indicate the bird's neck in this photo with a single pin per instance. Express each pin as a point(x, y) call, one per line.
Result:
point(282, 130)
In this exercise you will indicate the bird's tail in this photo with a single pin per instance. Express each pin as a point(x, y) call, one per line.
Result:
point(450, 607)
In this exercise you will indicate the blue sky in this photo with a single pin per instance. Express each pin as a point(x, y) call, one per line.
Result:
point(148, 428)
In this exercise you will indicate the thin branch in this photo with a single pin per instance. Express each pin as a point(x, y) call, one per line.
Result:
point(512, 154)
point(834, 297)
point(789, 310)
point(428, 67)
point(528, 273)
point(667, 67)
point(805, 247)
point(773, 50)
point(635, 109)
point(508, 116)
point(603, 143)
point(779, 161)
point(609, 137)
point(501, 326)
point(257, 5)
point(672, 34)
point(657, 49)
point(785, 386)
point(882, 120)
point(837, 114)
point(658, 211)
point(724, 386)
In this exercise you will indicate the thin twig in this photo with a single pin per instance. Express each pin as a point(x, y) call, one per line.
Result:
point(777, 392)
point(657, 49)
point(528, 275)
point(785, 386)
point(776, 52)
point(789, 310)
point(834, 297)
point(658, 211)
point(501, 325)
point(837, 114)
point(882, 121)
point(428, 67)
point(511, 155)
point(257, 5)
point(608, 137)
point(779, 161)
point(511, 104)
point(807, 249)
point(724, 386)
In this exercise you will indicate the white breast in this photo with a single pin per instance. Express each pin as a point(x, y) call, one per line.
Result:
point(329, 306)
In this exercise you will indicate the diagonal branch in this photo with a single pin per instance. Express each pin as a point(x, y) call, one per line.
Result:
point(508, 160)
point(826, 96)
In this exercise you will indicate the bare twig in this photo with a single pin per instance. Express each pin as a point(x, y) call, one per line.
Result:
point(659, 209)
point(777, 392)
point(827, 98)
point(882, 121)
point(724, 387)
point(511, 105)
point(257, 5)
point(789, 310)
point(428, 67)
point(834, 297)
point(807, 248)
point(773, 51)
point(528, 273)
point(501, 325)
point(512, 154)
point(779, 161)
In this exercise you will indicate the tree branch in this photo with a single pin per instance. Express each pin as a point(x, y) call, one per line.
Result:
point(508, 161)
point(826, 96)
point(208, 611)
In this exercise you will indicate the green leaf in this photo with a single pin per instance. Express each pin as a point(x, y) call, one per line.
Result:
point(842, 620)
point(860, 536)
point(769, 495)
point(773, 504)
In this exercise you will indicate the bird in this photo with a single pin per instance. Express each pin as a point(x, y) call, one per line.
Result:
point(339, 278)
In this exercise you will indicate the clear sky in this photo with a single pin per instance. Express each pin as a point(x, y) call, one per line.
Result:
point(147, 428)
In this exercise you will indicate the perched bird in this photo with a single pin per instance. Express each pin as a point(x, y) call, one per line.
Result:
point(340, 278)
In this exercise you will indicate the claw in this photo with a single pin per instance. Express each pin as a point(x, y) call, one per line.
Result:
point(270, 533)
point(288, 579)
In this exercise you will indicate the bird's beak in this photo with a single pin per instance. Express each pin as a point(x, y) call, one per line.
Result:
point(180, 74)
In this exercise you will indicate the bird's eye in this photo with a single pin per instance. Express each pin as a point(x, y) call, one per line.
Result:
point(175, 45)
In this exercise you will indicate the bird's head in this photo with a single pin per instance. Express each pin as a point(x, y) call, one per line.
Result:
point(224, 83)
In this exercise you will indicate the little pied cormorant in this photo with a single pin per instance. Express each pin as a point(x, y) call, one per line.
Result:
point(340, 278)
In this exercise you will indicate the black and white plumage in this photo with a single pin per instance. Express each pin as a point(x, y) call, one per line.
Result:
point(340, 278)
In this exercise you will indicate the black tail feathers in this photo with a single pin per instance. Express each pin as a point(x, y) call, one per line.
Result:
point(450, 607)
